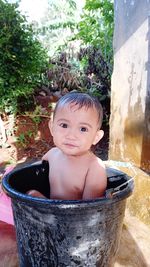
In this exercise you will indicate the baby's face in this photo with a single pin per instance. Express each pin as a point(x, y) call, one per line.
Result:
point(75, 130)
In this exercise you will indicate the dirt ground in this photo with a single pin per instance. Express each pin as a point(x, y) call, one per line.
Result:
point(27, 149)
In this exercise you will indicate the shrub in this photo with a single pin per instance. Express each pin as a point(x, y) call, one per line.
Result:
point(22, 59)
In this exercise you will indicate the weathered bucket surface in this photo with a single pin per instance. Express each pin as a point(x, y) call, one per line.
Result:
point(59, 233)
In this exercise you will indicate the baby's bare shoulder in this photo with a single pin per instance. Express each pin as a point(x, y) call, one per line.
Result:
point(97, 163)
point(54, 150)
point(51, 153)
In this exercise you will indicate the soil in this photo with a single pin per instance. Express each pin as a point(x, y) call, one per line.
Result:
point(29, 140)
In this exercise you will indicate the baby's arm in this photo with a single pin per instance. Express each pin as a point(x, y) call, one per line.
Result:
point(35, 193)
point(96, 181)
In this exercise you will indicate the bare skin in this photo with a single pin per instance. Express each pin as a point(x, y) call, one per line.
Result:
point(71, 177)
point(75, 172)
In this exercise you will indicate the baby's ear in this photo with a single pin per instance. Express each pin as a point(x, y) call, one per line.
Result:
point(98, 137)
point(50, 125)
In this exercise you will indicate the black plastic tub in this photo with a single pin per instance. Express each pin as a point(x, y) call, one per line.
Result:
point(66, 233)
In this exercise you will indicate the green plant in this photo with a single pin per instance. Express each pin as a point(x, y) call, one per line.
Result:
point(30, 133)
point(35, 115)
point(21, 140)
point(24, 138)
point(57, 25)
point(96, 27)
point(36, 119)
point(22, 59)
point(63, 74)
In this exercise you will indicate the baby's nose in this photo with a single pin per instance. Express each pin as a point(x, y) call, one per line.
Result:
point(71, 133)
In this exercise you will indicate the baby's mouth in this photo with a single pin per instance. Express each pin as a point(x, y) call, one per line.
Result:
point(70, 145)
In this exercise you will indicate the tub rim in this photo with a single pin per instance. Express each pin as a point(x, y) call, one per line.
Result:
point(37, 201)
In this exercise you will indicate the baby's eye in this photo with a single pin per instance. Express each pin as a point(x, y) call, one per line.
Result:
point(63, 125)
point(84, 129)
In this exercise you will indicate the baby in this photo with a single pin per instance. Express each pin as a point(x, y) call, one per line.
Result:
point(74, 171)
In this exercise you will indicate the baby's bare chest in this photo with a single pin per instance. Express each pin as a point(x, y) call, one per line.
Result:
point(70, 176)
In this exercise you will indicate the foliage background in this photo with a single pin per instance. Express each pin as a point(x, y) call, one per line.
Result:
point(22, 59)
point(66, 50)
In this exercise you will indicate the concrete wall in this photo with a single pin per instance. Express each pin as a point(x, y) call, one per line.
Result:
point(130, 95)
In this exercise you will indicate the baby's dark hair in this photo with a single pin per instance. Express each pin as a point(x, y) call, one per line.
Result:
point(82, 100)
